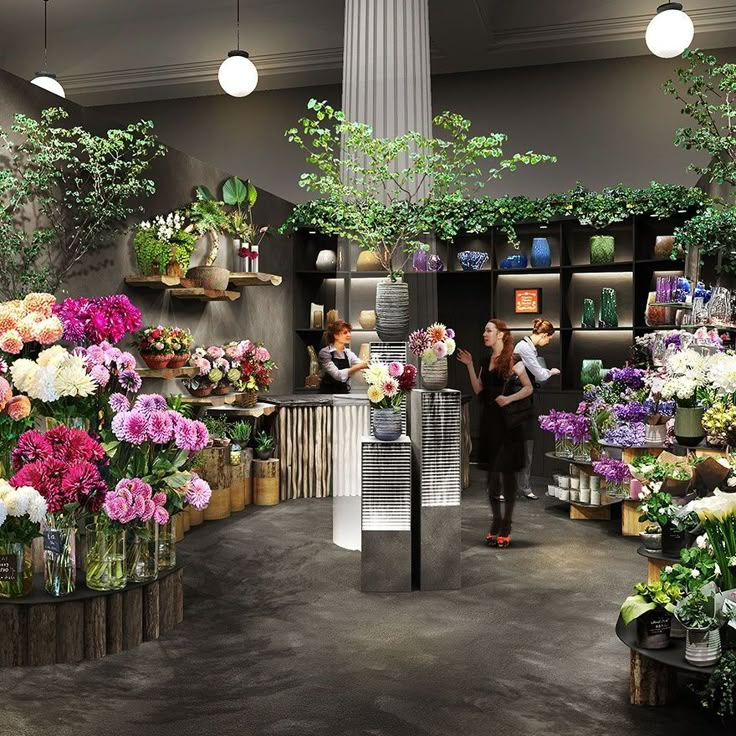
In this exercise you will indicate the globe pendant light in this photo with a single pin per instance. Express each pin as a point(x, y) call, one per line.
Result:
point(238, 75)
point(46, 79)
point(670, 32)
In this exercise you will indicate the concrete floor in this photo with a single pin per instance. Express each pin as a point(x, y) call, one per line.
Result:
point(278, 640)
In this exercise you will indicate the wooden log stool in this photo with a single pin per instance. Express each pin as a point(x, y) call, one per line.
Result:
point(195, 516)
point(240, 485)
point(215, 468)
point(266, 482)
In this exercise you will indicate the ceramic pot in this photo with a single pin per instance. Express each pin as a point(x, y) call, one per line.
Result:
point(386, 425)
point(326, 260)
point(651, 541)
point(156, 362)
point(513, 262)
point(664, 245)
point(472, 260)
point(392, 310)
point(689, 425)
point(367, 261)
point(673, 540)
point(656, 434)
point(635, 489)
point(585, 495)
point(178, 361)
point(595, 498)
point(214, 278)
point(601, 250)
point(434, 375)
point(702, 648)
point(264, 454)
point(677, 630)
point(367, 319)
point(653, 629)
point(541, 256)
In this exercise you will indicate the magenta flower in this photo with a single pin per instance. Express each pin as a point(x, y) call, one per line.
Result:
point(198, 492)
point(160, 427)
point(203, 436)
point(134, 428)
point(119, 402)
point(100, 375)
point(186, 436)
point(130, 380)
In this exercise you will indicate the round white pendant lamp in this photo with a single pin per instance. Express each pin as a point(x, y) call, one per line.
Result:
point(238, 75)
point(44, 79)
point(670, 32)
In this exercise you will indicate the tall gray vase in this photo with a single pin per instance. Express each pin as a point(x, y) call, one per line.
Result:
point(689, 425)
point(392, 310)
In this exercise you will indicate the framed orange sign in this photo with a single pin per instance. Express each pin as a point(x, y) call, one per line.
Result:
point(527, 301)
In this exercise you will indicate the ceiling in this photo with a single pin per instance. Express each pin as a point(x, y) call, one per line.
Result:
point(114, 51)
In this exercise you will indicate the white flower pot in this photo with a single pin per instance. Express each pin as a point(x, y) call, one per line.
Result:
point(387, 425)
point(584, 495)
point(392, 310)
point(584, 481)
point(595, 498)
point(595, 482)
point(564, 495)
point(574, 484)
point(656, 434)
point(565, 482)
point(326, 260)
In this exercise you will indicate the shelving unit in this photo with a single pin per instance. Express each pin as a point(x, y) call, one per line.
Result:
point(166, 374)
point(183, 289)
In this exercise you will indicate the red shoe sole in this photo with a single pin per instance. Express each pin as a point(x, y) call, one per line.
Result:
point(491, 540)
point(504, 541)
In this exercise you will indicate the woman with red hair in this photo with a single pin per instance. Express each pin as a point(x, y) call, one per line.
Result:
point(498, 384)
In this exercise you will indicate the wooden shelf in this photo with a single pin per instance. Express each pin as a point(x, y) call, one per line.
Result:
point(261, 409)
point(238, 279)
point(673, 305)
point(167, 374)
point(152, 282)
point(205, 295)
point(217, 401)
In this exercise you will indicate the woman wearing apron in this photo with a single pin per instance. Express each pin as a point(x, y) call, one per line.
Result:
point(336, 363)
point(526, 351)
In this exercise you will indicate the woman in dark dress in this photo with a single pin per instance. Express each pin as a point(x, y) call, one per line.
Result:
point(502, 449)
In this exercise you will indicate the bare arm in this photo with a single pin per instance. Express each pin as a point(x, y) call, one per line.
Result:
point(526, 387)
point(467, 359)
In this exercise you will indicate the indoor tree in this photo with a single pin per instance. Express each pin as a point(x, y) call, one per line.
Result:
point(383, 193)
point(65, 191)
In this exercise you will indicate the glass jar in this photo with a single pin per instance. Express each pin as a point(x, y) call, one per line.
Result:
point(719, 306)
point(105, 562)
point(16, 569)
point(60, 559)
point(143, 552)
point(581, 450)
point(563, 447)
point(167, 545)
point(609, 313)
point(588, 316)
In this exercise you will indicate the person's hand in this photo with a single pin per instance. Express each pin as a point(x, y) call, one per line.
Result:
point(364, 364)
point(554, 372)
point(503, 400)
point(465, 357)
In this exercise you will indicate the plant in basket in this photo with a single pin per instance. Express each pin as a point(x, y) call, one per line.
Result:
point(22, 509)
point(164, 245)
point(155, 347)
point(226, 371)
point(204, 380)
point(257, 367)
point(180, 341)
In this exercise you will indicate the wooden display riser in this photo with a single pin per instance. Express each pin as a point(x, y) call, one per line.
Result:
point(590, 513)
point(88, 624)
point(650, 682)
point(630, 524)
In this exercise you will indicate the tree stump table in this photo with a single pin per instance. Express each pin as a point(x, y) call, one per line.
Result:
point(266, 482)
point(88, 624)
point(653, 672)
point(656, 561)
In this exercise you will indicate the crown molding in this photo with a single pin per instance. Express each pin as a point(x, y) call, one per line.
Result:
point(193, 72)
point(624, 28)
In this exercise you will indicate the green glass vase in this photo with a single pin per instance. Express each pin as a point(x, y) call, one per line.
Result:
point(590, 373)
point(608, 315)
point(588, 318)
point(602, 249)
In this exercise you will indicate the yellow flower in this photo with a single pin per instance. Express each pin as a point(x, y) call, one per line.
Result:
point(375, 394)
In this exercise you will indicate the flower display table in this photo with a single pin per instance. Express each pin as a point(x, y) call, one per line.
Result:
point(656, 561)
point(653, 674)
point(88, 624)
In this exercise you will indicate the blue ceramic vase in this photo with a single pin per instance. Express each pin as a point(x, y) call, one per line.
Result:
point(472, 260)
point(541, 254)
point(511, 263)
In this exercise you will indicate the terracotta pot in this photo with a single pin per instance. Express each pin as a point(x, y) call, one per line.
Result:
point(178, 361)
point(200, 392)
point(222, 389)
point(210, 277)
point(156, 362)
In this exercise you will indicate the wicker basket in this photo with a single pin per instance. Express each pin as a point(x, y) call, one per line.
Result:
point(247, 399)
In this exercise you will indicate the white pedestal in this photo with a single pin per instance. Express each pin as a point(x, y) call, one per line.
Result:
point(346, 522)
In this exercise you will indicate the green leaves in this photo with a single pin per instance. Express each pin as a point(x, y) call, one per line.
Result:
point(234, 191)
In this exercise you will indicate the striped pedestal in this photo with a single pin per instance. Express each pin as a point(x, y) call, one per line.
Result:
point(386, 515)
point(437, 515)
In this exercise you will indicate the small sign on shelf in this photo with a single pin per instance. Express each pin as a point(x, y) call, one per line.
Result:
point(527, 301)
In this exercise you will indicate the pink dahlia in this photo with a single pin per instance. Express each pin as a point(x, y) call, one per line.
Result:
point(130, 380)
point(134, 427)
point(160, 427)
point(395, 369)
point(198, 492)
point(119, 402)
point(149, 403)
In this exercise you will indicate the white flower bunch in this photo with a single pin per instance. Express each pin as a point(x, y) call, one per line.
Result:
point(54, 375)
point(165, 226)
point(686, 372)
point(719, 506)
point(21, 501)
point(722, 372)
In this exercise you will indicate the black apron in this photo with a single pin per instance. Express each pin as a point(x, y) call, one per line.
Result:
point(328, 385)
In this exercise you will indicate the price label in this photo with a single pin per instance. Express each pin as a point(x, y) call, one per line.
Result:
point(52, 541)
point(8, 567)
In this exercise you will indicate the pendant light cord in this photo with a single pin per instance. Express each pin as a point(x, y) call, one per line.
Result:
point(237, 24)
point(45, 34)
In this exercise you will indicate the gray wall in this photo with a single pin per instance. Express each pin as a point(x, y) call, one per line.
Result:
point(262, 313)
point(607, 121)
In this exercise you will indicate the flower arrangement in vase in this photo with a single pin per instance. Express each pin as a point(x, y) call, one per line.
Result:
point(388, 385)
point(65, 466)
point(433, 346)
point(22, 509)
point(256, 366)
point(617, 476)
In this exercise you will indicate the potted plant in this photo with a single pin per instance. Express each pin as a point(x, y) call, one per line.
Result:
point(388, 385)
point(433, 346)
point(164, 245)
point(698, 613)
point(393, 191)
point(651, 538)
point(651, 606)
point(218, 430)
point(155, 347)
point(180, 341)
point(264, 445)
point(206, 377)
point(240, 434)
point(210, 220)
point(256, 370)
point(241, 196)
